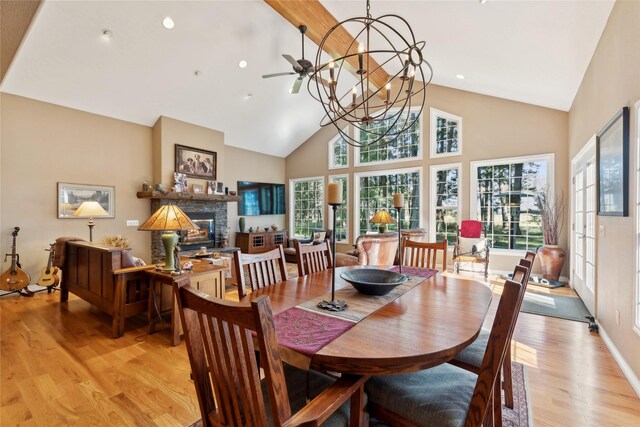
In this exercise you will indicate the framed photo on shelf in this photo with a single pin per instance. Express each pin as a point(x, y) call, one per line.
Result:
point(180, 182)
point(612, 159)
point(195, 163)
point(197, 188)
point(71, 196)
point(218, 187)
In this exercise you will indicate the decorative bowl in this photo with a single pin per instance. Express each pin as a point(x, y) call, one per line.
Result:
point(372, 281)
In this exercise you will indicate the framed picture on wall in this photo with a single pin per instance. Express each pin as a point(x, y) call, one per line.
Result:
point(71, 196)
point(612, 158)
point(195, 163)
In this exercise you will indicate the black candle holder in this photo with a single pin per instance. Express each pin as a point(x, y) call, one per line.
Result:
point(399, 240)
point(333, 305)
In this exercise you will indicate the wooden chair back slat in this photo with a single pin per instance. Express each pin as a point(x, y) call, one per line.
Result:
point(313, 258)
point(424, 254)
point(530, 256)
point(263, 269)
point(494, 355)
point(222, 355)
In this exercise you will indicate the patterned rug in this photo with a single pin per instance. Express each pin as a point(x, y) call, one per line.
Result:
point(519, 416)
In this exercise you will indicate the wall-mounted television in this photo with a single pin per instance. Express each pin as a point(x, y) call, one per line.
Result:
point(259, 198)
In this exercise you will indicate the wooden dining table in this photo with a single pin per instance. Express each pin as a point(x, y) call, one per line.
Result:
point(426, 326)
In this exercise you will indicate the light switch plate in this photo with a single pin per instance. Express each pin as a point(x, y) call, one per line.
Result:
point(133, 223)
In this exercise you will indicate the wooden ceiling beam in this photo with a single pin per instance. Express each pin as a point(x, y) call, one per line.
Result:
point(319, 21)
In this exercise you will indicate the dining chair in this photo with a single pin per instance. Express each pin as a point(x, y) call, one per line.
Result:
point(470, 358)
point(265, 269)
point(313, 258)
point(447, 395)
point(423, 254)
point(219, 337)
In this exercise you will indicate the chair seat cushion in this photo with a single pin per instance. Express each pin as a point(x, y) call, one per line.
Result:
point(296, 380)
point(344, 260)
point(434, 397)
point(472, 355)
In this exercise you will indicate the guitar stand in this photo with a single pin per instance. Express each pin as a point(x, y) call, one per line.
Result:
point(26, 292)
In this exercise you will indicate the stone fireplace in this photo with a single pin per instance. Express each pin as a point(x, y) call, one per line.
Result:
point(210, 215)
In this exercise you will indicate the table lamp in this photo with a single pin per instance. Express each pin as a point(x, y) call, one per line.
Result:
point(383, 218)
point(169, 219)
point(90, 209)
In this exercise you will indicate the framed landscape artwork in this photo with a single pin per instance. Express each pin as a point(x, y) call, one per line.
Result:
point(195, 163)
point(612, 159)
point(71, 196)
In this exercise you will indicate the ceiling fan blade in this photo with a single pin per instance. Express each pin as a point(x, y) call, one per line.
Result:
point(266, 76)
point(296, 86)
point(292, 61)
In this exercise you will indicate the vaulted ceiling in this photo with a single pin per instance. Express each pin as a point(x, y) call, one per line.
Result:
point(529, 51)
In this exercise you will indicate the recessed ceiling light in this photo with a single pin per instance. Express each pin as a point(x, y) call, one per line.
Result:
point(460, 76)
point(248, 96)
point(197, 73)
point(107, 34)
point(242, 64)
point(483, 1)
point(168, 23)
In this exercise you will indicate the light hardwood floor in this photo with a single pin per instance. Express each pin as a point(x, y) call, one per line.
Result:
point(59, 366)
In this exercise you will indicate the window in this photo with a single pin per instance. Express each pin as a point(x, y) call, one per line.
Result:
point(338, 152)
point(306, 196)
point(445, 202)
point(407, 146)
point(374, 191)
point(445, 134)
point(342, 213)
point(637, 323)
point(502, 197)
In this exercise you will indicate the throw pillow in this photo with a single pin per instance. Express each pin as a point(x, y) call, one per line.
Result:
point(472, 245)
point(319, 236)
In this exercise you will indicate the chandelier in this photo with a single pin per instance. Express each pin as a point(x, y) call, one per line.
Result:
point(385, 109)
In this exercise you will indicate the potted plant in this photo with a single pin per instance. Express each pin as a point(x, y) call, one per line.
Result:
point(551, 255)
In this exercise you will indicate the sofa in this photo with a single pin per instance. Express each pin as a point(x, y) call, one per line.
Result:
point(315, 238)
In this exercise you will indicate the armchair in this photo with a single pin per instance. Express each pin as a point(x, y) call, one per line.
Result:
point(471, 246)
point(372, 249)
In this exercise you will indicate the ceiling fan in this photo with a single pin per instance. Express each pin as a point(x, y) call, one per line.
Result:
point(301, 67)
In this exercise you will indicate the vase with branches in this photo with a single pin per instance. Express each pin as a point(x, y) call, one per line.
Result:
point(552, 209)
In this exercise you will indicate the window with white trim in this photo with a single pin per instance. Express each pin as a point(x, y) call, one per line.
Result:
point(637, 322)
point(445, 134)
point(339, 152)
point(342, 213)
point(445, 202)
point(374, 191)
point(306, 198)
point(407, 146)
point(502, 197)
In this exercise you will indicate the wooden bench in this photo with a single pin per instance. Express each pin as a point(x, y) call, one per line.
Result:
point(94, 272)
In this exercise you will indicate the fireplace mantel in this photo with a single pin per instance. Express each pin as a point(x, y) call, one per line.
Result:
point(171, 195)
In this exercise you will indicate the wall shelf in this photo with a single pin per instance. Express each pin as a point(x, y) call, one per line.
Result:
point(171, 195)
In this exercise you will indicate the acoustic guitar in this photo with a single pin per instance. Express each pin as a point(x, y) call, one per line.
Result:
point(14, 279)
point(49, 275)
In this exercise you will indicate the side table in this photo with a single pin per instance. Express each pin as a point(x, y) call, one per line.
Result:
point(206, 277)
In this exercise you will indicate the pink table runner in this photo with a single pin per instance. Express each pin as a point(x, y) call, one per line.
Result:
point(306, 328)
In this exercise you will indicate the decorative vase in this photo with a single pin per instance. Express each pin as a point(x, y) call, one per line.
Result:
point(241, 223)
point(551, 260)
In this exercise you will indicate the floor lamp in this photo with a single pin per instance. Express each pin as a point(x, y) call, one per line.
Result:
point(90, 209)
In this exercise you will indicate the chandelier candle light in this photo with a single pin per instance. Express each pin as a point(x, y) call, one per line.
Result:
point(334, 197)
point(377, 98)
point(398, 203)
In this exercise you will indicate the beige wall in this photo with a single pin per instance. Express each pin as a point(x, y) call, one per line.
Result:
point(168, 132)
point(244, 165)
point(492, 128)
point(43, 144)
point(611, 82)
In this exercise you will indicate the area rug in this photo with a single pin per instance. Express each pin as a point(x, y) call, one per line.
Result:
point(519, 416)
point(562, 307)
point(537, 281)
